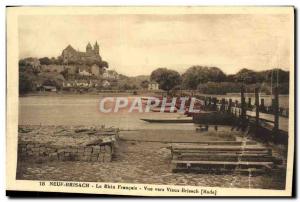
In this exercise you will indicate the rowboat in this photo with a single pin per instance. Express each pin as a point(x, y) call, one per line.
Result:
point(170, 120)
point(166, 109)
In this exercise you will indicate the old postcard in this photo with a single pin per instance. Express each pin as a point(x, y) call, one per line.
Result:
point(151, 101)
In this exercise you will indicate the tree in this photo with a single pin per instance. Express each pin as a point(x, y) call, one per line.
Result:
point(25, 83)
point(166, 78)
point(45, 61)
point(59, 60)
point(104, 64)
point(65, 73)
point(22, 62)
point(196, 75)
point(144, 84)
point(283, 76)
point(49, 82)
point(246, 75)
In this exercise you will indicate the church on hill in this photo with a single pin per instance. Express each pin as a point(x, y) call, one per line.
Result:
point(90, 57)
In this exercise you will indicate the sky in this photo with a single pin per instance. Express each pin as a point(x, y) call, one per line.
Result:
point(137, 44)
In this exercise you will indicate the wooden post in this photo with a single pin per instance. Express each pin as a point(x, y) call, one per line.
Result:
point(222, 109)
point(249, 103)
point(229, 105)
point(276, 110)
point(243, 107)
point(236, 108)
point(273, 110)
point(262, 105)
point(214, 103)
point(256, 107)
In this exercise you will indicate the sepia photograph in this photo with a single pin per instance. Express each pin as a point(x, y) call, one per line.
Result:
point(151, 101)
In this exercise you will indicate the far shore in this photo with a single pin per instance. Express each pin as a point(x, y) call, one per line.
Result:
point(111, 94)
point(114, 94)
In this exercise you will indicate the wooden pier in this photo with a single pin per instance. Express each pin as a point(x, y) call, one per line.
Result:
point(268, 118)
point(248, 114)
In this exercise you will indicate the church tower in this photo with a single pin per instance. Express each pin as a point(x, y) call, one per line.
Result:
point(89, 48)
point(96, 48)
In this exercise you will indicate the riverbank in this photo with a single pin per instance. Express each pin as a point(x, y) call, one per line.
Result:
point(143, 156)
point(283, 99)
point(84, 94)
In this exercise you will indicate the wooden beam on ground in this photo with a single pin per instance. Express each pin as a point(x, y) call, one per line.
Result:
point(219, 147)
point(222, 163)
point(217, 143)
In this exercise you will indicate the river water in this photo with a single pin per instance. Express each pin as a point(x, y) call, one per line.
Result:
point(84, 110)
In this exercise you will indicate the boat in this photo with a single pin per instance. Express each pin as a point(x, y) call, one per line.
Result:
point(170, 120)
point(166, 110)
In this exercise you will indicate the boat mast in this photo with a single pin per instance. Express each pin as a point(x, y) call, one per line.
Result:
point(271, 82)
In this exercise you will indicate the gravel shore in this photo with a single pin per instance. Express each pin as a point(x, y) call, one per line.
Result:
point(140, 158)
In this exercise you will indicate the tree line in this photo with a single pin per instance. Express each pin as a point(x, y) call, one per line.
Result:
point(212, 80)
point(59, 61)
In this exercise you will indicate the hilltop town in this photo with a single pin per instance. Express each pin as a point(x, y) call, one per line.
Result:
point(73, 71)
point(76, 71)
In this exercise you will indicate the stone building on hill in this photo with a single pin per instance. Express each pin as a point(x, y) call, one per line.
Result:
point(90, 57)
point(88, 63)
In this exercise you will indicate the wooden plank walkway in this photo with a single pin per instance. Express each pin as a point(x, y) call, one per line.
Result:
point(283, 121)
point(269, 118)
point(222, 156)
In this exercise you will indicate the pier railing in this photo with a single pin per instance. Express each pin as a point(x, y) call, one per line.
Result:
point(272, 117)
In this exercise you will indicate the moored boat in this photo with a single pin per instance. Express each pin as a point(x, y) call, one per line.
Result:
point(166, 109)
point(170, 120)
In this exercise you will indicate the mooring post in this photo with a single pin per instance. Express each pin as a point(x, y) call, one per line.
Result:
point(229, 105)
point(272, 104)
point(222, 105)
point(236, 108)
point(249, 103)
point(256, 107)
point(214, 103)
point(243, 107)
point(262, 105)
point(276, 110)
